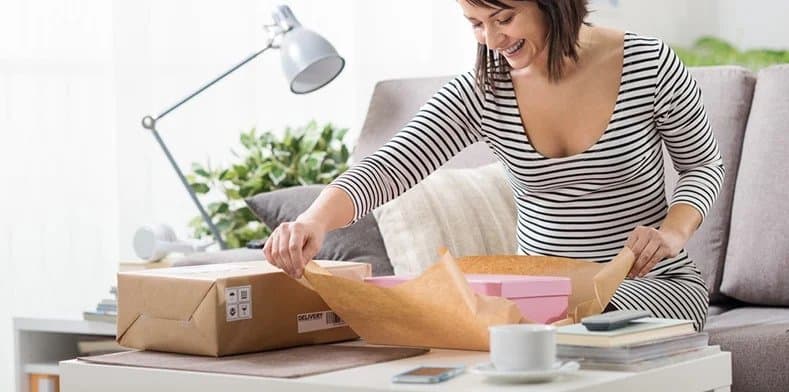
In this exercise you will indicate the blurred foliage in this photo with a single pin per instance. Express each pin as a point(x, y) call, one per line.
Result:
point(301, 156)
point(714, 51)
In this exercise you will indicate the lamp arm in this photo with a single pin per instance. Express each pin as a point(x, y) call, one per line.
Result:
point(149, 123)
point(211, 83)
point(214, 230)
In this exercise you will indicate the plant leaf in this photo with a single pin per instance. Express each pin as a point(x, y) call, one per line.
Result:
point(232, 194)
point(228, 174)
point(199, 188)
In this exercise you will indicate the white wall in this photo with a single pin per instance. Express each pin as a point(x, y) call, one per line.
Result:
point(675, 21)
point(58, 177)
point(79, 174)
point(754, 23)
point(746, 24)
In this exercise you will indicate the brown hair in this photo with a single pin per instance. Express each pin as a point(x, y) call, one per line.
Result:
point(564, 18)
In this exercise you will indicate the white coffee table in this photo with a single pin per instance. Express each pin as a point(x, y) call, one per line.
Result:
point(711, 373)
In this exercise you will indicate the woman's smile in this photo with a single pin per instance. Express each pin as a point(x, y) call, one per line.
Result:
point(513, 50)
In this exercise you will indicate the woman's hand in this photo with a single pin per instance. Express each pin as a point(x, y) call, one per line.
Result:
point(293, 244)
point(650, 246)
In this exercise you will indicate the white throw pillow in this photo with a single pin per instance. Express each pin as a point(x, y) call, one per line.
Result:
point(470, 211)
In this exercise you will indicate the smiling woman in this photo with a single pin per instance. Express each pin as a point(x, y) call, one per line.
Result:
point(578, 115)
point(542, 22)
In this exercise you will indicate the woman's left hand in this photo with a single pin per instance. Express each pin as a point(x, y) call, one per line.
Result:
point(650, 246)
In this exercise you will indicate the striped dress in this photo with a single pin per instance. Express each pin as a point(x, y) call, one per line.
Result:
point(582, 206)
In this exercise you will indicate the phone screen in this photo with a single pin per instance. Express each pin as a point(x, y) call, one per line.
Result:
point(428, 374)
point(428, 371)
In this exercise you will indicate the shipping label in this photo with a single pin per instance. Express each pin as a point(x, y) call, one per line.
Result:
point(316, 321)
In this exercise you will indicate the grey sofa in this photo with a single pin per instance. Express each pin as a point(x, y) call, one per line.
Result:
point(742, 247)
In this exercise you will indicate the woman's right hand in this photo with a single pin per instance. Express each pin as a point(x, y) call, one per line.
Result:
point(293, 244)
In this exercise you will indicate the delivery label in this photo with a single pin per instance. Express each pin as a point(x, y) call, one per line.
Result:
point(238, 303)
point(317, 321)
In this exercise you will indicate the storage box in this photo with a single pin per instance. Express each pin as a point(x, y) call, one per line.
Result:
point(223, 309)
point(541, 299)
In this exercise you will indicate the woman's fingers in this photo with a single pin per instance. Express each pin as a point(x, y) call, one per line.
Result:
point(292, 245)
point(294, 250)
point(637, 245)
point(644, 242)
point(283, 243)
point(660, 254)
point(311, 248)
point(644, 259)
point(637, 241)
point(267, 249)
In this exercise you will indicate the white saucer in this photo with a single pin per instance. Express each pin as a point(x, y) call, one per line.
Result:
point(558, 369)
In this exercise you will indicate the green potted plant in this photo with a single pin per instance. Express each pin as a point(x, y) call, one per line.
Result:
point(303, 155)
point(714, 51)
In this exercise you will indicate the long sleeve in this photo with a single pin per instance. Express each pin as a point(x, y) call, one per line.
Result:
point(685, 130)
point(444, 126)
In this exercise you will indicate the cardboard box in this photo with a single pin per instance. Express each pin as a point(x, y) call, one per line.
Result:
point(223, 309)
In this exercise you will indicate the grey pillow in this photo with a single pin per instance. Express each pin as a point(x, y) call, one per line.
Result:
point(360, 242)
point(758, 259)
point(728, 91)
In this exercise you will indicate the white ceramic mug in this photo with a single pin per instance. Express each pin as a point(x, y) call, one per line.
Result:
point(523, 347)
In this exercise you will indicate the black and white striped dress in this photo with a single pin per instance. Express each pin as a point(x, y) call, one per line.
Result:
point(582, 206)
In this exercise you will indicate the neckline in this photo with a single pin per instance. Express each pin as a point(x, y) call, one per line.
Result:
point(610, 118)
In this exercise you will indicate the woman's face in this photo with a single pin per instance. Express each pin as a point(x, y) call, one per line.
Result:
point(518, 33)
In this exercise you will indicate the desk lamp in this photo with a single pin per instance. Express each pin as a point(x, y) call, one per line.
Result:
point(309, 62)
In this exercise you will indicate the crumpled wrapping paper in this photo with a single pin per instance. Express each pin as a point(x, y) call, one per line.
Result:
point(439, 309)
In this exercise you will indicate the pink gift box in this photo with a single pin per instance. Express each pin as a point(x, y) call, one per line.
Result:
point(541, 299)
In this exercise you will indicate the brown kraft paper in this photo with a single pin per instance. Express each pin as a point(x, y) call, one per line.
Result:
point(439, 309)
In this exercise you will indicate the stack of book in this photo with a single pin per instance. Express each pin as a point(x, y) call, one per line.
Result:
point(641, 345)
point(88, 346)
point(106, 309)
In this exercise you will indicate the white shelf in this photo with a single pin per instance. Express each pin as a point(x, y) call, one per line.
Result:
point(42, 368)
point(76, 326)
point(40, 343)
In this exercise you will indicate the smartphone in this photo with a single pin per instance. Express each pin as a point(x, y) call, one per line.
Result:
point(428, 374)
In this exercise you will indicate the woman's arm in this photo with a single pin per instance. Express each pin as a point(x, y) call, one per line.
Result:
point(682, 221)
point(685, 130)
point(683, 125)
point(449, 122)
point(332, 209)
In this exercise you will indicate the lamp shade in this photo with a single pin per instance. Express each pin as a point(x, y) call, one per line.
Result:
point(309, 61)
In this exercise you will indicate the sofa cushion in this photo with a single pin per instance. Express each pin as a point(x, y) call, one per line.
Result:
point(469, 211)
point(727, 91)
point(746, 316)
point(360, 242)
point(758, 340)
point(757, 260)
point(723, 307)
point(758, 356)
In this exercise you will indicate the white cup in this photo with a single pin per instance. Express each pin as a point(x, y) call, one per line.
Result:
point(522, 347)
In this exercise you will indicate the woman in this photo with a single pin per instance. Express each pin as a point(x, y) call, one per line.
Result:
point(577, 115)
